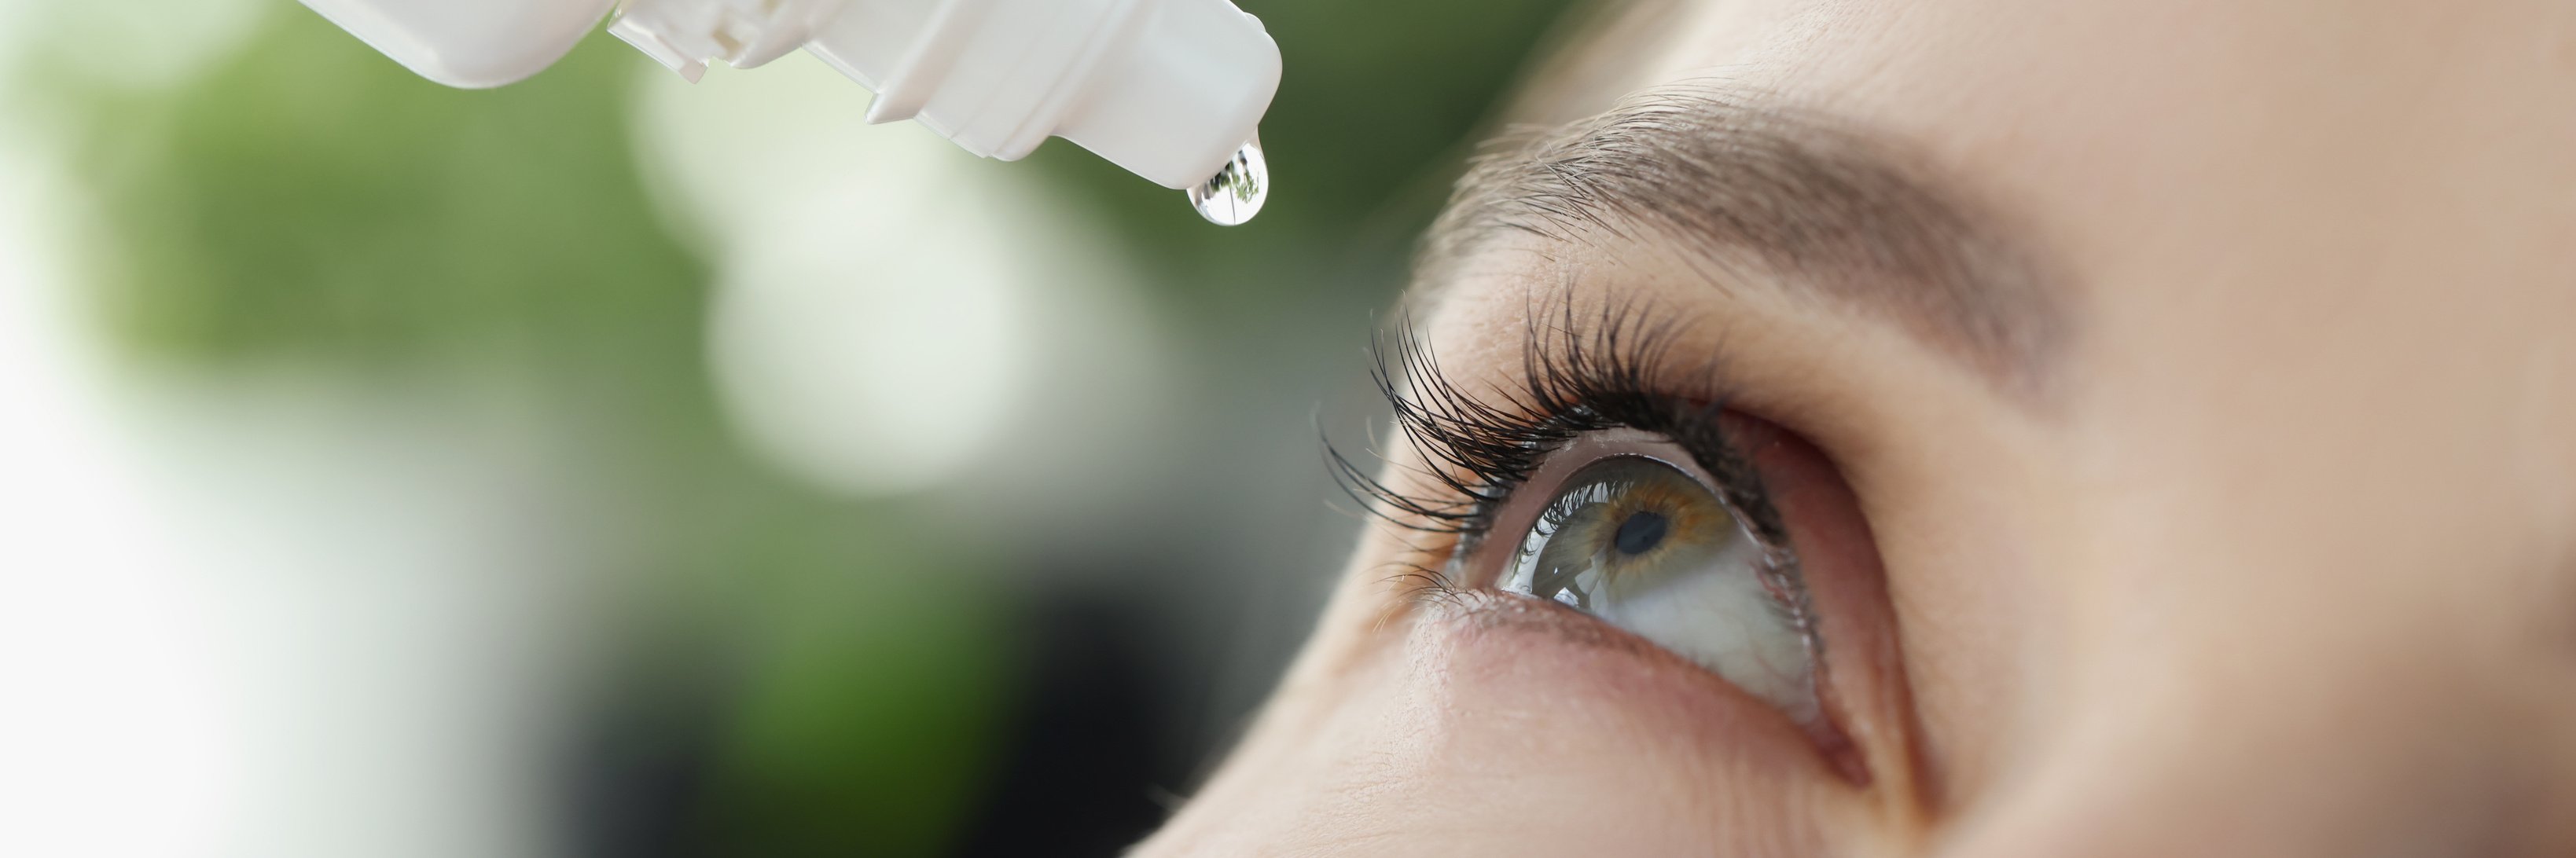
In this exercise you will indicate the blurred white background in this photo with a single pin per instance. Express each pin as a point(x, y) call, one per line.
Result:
point(607, 465)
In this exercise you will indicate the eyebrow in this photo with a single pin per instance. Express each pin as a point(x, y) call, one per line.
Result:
point(1832, 212)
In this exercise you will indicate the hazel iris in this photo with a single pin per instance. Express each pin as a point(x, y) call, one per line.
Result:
point(1648, 548)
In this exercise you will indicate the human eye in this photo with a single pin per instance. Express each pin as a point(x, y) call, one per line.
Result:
point(1615, 481)
point(1627, 527)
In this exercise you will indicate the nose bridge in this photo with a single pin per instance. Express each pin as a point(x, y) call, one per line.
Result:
point(2338, 743)
point(2259, 648)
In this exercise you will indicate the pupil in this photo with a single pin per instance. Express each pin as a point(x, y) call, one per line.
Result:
point(1640, 533)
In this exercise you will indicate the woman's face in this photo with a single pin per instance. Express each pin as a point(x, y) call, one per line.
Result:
point(1985, 428)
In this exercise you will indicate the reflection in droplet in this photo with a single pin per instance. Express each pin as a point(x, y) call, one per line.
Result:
point(1235, 193)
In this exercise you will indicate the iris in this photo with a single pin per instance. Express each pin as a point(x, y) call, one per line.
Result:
point(1647, 547)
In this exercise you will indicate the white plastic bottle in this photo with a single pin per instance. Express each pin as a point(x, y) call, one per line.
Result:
point(1171, 90)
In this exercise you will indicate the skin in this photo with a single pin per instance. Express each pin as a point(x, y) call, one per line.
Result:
point(2279, 561)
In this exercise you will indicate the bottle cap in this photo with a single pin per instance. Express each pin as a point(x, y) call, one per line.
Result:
point(1181, 95)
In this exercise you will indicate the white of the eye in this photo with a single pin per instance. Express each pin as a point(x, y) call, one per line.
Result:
point(1721, 617)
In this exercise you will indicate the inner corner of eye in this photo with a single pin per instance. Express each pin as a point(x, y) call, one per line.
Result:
point(1648, 548)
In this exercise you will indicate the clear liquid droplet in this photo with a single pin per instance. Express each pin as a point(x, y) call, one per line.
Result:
point(1235, 193)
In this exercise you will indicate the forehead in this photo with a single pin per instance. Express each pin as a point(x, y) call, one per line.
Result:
point(2218, 168)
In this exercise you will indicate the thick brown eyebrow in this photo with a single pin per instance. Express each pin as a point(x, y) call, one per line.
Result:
point(1827, 211)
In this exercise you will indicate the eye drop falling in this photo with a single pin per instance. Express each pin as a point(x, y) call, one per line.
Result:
point(1235, 193)
point(1171, 90)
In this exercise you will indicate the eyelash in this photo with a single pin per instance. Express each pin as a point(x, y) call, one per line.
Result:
point(1575, 379)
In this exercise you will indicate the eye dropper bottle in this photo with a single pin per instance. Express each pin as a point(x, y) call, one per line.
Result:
point(1171, 90)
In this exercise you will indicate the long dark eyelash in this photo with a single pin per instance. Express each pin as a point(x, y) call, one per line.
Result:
point(1575, 379)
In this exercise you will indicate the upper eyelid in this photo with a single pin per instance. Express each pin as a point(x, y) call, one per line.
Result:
point(1527, 504)
point(1578, 375)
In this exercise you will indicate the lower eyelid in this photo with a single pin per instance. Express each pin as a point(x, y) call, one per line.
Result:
point(1474, 616)
point(1485, 610)
point(1585, 661)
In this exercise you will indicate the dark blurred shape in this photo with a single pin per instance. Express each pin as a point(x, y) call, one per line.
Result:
point(1083, 761)
point(644, 761)
point(1082, 767)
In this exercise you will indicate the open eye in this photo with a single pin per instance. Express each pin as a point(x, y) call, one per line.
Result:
point(1647, 547)
point(1627, 495)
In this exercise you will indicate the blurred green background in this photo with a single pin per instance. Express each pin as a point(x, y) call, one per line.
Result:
point(603, 465)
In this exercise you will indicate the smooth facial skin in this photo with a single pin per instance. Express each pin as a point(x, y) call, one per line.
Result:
point(2172, 407)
